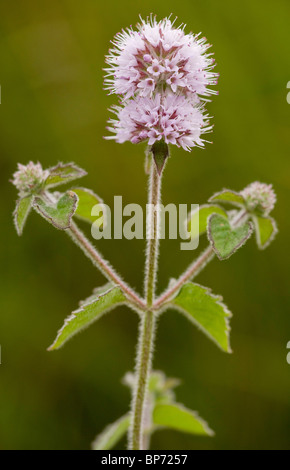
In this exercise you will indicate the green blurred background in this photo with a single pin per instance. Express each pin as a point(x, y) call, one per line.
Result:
point(54, 109)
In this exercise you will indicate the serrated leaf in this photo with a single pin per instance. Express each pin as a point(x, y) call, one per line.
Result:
point(87, 314)
point(87, 200)
point(266, 230)
point(59, 214)
point(21, 212)
point(112, 434)
point(228, 196)
point(206, 311)
point(63, 173)
point(224, 239)
point(197, 223)
point(176, 416)
point(96, 293)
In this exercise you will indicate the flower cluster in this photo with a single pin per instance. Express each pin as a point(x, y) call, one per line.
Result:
point(159, 56)
point(259, 197)
point(175, 120)
point(161, 75)
point(29, 178)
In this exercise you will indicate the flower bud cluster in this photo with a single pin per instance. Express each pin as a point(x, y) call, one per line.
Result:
point(29, 178)
point(259, 198)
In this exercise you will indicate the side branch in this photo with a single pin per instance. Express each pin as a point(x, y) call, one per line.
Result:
point(90, 251)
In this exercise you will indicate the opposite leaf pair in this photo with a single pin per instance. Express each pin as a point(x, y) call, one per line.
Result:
point(195, 302)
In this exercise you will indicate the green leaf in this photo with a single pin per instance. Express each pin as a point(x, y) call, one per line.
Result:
point(21, 212)
point(87, 200)
point(63, 173)
point(176, 416)
point(229, 196)
point(59, 214)
point(197, 223)
point(112, 434)
point(206, 311)
point(160, 153)
point(266, 230)
point(87, 314)
point(96, 293)
point(224, 239)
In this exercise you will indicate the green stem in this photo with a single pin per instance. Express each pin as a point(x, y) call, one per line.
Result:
point(144, 360)
point(152, 234)
point(147, 327)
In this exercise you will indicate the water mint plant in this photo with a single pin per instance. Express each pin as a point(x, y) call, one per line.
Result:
point(163, 78)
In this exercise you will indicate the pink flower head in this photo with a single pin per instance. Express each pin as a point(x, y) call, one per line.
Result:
point(171, 117)
point(158, 56)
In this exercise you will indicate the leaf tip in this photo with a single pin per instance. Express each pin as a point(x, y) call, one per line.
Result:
point(208, 431)
point(257, 221)
point(18, 229)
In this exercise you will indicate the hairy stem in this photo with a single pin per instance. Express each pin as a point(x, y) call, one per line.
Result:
point(144, 360)
point(152, 235)
point(98, 260)
point(147, 327)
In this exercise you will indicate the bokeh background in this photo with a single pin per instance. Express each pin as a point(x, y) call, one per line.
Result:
point(53, 108)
